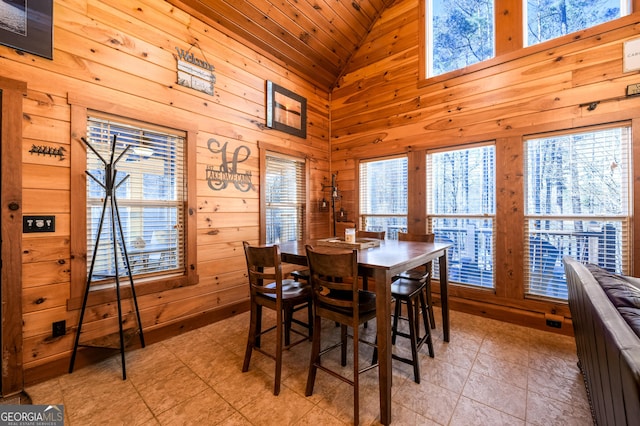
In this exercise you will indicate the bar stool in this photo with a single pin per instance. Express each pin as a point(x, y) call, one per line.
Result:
point(378, 235)
point(268, 289)
point(336, 297)
point(411, 293)
point(421, 273)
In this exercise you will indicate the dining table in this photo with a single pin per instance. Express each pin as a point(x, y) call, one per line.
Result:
point(382, 263)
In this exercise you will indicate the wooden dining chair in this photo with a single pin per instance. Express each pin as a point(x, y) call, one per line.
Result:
point(284, 296)
point(337, 297)
point(378, 235)
point(420, 273)
point(409, 289)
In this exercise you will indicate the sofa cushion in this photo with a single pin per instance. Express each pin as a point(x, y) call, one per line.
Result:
point(632, 317)
point(634, 281)
point(619, 290)
point(623, 292)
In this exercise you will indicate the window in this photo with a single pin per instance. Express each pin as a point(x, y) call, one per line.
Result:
point(285, 198)
point(383, 196)
point(461, 210)
point(548, 19)
point(577, 204)
point(458, 33)
point(149, 188)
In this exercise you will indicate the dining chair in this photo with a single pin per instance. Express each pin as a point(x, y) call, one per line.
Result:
point(378, 235)
point(269, 289)
point(337, 297)
point(420, 273)
point(411, 293)
point(408, 289)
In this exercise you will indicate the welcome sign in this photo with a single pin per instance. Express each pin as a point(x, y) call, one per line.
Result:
point(195, 73)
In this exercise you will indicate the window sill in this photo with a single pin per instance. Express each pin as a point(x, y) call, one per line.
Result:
point(108, 295)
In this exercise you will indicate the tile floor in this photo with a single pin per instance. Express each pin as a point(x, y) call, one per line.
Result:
point(491, 373)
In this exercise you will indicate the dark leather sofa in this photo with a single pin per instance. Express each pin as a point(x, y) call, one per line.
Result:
point(605, 311)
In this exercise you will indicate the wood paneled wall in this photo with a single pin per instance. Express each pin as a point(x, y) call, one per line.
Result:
point(381, 108)
point(124, 53)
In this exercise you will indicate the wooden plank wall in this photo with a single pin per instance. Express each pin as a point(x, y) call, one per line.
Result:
point(125, 53)
point(381, 108)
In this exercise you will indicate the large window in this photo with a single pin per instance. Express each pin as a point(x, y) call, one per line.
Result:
point(577, 204)
point(285, 198)
point(149, 188)
point(461, 210)
point(383, 196)
point(458, 33)
point(548, 19)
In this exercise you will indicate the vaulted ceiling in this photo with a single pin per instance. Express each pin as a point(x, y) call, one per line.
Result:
point(313, 38)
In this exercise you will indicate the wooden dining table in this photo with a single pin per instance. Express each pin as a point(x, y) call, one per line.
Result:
point(382, 263)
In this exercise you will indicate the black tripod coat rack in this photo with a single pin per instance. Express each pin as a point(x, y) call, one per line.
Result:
point(110, 186)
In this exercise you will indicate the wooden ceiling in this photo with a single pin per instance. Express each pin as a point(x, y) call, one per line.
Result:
point(313, 38)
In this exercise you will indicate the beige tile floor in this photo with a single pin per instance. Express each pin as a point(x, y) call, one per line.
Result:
point(491, 373)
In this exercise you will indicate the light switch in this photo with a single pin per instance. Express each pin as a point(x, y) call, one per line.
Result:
point(38, 224)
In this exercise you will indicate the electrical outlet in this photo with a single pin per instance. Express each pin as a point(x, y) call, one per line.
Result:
point(59, 328)
point(554, 324)
point(633, 89)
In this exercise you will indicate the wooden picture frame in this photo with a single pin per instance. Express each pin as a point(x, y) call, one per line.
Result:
point(27, 26)
point(286, 111)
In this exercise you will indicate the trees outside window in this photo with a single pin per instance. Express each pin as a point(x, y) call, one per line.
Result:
point(459, 33)
point(548, 19)
point(577, 204)
point(383, 196)
point(285, 198)
point(151, 200)
point(461, 210)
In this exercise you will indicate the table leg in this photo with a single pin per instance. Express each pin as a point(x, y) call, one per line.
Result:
point(444, 295)
point(383, 325)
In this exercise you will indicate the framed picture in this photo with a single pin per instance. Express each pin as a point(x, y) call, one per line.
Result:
point(286, 111)
point(27, 26)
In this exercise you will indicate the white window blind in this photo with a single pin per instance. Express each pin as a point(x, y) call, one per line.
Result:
point(461, 210)
point(383, 196)
point(285, 198)
point(577, 204)
point(150, 200)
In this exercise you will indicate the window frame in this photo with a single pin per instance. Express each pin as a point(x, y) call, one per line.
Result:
point(133, 188)
point(626, 220)
point(493, 216)
point(510, 45)
point(626, 8)
point(427, 27)
point(265, 148)
point(81, 108)
point(360, 216)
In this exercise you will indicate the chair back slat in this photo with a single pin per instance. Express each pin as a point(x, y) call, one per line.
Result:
point(379, 235)
point(424, 238)
point(263, 268)
point(334, 277)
